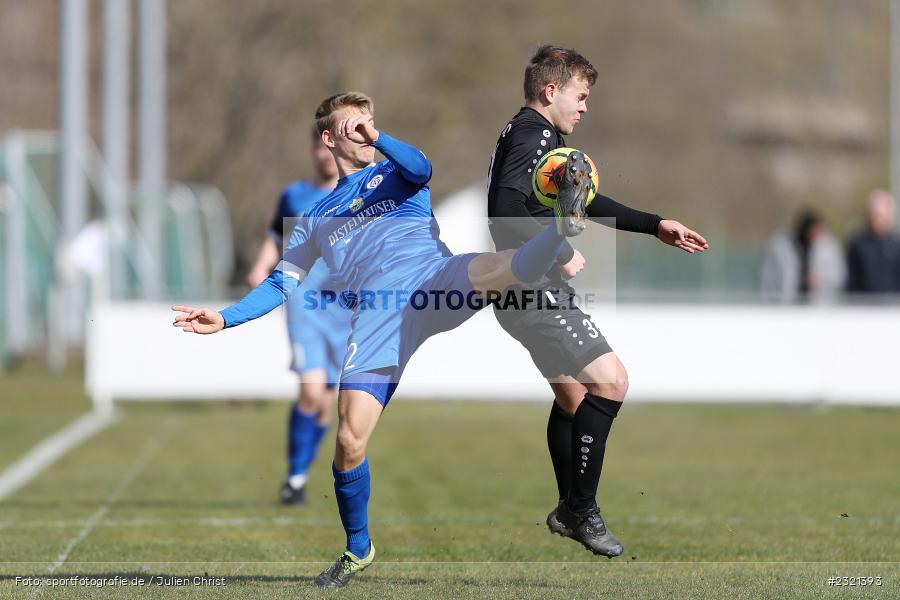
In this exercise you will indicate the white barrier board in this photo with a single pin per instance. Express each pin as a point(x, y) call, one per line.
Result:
point(680, 353)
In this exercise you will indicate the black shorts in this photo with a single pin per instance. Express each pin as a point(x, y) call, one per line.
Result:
point(561, 338)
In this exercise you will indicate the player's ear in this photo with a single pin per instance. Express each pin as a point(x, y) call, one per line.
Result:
point(327, 139)
point(550, 91)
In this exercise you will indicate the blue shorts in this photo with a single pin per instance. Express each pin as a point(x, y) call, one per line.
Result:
point(387, 330)
point(318, 337)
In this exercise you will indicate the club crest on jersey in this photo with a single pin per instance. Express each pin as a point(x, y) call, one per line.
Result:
point(374, 182)
point(356, 204)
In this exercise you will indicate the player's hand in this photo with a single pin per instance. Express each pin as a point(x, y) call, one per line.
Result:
point(359, 128)
point(255, 277)
point(571, 268)
point(675, 234)
point(198, 320)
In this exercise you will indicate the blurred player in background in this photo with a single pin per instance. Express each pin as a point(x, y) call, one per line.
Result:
point(588, 380)
point(318, 338)
point(377, 234)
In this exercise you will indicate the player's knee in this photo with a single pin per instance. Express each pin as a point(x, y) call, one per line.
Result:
point(325, 411)
point(307, 403)
point(613, 391)
point(311, 397)
point(350, 444)
point(569, 397)
point(613, 385)
point(619, 387)
point(490, 271)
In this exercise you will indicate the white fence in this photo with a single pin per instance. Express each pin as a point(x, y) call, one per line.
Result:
point(44, 274)
point(846, 355)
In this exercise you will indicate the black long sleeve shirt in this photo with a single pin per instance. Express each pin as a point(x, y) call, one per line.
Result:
point(515, 214)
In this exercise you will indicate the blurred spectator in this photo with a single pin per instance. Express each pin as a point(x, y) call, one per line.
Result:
point(873, 256)
point(781, 269)
point(86, 255)
point(804, 264)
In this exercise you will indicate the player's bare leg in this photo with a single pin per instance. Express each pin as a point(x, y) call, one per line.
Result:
point(602, 384)
point(578, 516)
point(313, 409)
point(358, 414)
point(492, 272)
point(604, 376)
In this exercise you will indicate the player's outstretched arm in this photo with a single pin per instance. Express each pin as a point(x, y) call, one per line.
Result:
point(668, 231)
point(264, 298)
point(267, 296)
point(627, 218)
point(198, 320)
point(675, 234)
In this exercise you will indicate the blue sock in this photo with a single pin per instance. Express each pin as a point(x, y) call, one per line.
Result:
point(537, 255)
point(318, 434)
point(352, 488)
point(303, 440)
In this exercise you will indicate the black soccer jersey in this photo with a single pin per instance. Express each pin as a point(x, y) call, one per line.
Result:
point(521, 144)
point(514, 213)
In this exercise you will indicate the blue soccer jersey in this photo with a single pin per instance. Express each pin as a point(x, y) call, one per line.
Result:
point(296, 199)
point(376, 220)
point(295, 202)
point(318, 339)
point(377, 235)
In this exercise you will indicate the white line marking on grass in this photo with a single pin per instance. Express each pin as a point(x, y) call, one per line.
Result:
point(146, 564)
point(50, 450)
point(461, 520)
point(147, 452)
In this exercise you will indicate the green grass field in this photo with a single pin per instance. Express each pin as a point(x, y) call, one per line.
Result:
point(710, 501)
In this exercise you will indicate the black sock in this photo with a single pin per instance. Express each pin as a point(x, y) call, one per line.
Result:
point(590, 428)
point(559, 442)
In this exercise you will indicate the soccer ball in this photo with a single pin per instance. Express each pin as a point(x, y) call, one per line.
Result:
point(547, 173)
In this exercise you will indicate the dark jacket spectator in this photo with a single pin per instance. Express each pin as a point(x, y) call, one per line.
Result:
point(873, 256)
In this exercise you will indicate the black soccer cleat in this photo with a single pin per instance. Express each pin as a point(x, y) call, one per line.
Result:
point(344, 568)
point(555, 525)
point(574, 184)
point(292, 496)
point(590, 530)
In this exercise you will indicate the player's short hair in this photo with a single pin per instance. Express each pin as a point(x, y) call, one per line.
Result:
point(332, 104)
point(553, 64)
